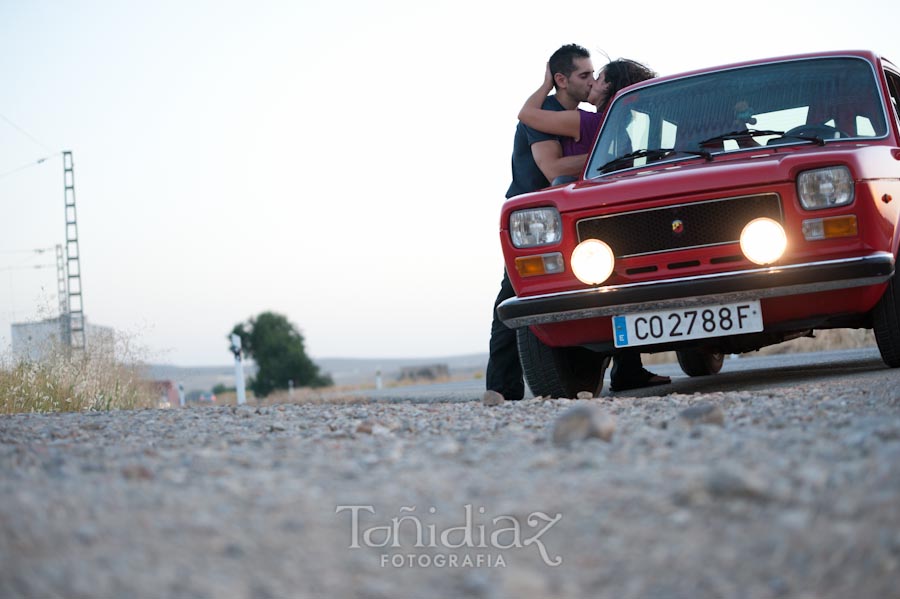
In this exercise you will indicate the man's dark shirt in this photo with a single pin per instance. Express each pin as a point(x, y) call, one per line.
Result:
point(527, 177)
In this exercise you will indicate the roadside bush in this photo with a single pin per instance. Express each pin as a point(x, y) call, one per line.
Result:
point(220, 389)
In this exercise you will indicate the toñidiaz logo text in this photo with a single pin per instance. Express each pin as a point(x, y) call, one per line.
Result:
point(475, 543)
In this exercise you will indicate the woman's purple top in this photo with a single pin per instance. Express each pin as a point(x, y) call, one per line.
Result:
point(590, 124)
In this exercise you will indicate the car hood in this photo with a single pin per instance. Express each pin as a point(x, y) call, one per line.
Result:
point(744, 172)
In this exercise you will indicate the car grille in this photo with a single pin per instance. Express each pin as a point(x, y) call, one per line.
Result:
point(693, 225)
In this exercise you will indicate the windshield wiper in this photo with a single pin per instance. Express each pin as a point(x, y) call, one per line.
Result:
point(744, 133)
point(654, 154)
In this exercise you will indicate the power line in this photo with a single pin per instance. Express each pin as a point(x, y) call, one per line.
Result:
point(31, 251)
point(26, 133)
point(29, 165)
point(21, 258)
point(32, 267)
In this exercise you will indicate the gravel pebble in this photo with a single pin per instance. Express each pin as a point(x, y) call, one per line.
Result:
point(704, 413)
point(492, 398)
point(735, 482)
point(583, 422)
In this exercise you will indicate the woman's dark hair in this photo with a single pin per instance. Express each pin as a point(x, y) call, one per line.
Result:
point(620, 74)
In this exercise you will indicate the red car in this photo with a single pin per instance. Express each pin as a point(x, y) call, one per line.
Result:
point(721, 210)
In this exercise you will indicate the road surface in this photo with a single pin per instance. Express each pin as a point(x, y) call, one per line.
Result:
point(779, 477)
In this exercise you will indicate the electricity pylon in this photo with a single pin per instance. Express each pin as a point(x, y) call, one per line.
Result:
point(74, 318)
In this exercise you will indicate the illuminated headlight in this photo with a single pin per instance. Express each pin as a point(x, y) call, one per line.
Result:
point(534, 227)
point(592, 261)
point(825, 187)
point(763, 241)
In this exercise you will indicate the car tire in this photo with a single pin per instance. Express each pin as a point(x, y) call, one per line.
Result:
point(559, 371)
point(886, 321)
point(696, 362)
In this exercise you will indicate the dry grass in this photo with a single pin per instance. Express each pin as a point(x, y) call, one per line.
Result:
point(101, 378)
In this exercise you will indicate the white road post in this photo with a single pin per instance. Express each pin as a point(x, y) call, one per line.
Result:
point(238, 369)
point(181, 394)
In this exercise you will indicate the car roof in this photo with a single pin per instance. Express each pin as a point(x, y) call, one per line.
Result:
point(864, 54)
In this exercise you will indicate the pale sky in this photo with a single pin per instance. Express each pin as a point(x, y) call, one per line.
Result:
point(341, 162)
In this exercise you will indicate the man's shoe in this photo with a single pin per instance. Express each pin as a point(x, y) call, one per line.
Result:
point(644, 379)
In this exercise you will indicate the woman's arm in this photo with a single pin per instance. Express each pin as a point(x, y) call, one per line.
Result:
point(566, 122)
point(548, 157)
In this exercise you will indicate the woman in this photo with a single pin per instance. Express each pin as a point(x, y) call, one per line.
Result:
point(579, 127)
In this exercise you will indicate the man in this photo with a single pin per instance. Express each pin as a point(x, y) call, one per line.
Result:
point(537, 159)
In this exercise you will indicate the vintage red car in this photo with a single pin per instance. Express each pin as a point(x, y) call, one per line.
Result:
point(721, 210)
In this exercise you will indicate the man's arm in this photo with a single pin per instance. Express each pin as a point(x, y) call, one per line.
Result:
point(548, 157)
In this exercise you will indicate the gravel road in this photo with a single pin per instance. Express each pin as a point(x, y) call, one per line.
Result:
point(791, 491)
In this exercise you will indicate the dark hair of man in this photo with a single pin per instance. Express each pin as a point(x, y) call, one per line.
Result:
point(620, 74)
point(563, 60)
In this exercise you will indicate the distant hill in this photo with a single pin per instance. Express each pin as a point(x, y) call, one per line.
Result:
point(344, 371)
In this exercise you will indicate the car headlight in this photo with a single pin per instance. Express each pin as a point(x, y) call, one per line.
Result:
point(825, 187)
point(534, 227)
point(592, 261)
point(763, 240)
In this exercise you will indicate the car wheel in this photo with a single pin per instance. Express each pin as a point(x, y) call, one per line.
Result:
point(696, 362)
point(886, 319)
point(559, 371)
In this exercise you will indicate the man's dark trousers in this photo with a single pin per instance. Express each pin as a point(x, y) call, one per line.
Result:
point(504, 371)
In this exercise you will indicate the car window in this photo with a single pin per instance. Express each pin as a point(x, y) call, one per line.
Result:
point(829, 97)
point(894, 88)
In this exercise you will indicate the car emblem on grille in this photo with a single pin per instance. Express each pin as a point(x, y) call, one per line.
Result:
point(677, 227)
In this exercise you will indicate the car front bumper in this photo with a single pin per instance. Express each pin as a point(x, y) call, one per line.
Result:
point(726, 287)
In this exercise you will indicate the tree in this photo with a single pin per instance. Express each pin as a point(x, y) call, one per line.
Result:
point(277, 348)
point(219, 389)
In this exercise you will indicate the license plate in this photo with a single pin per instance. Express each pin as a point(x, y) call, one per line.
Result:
point(683, 324)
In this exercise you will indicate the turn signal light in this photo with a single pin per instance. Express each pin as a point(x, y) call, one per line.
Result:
point(831, 227)
point(545, 264)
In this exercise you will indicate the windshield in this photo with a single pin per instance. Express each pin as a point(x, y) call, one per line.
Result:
point(798, 102)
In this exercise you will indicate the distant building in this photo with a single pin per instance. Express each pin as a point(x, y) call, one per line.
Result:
point(36, 340)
